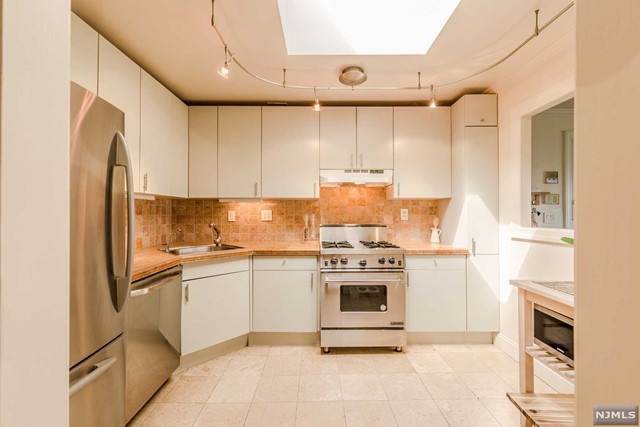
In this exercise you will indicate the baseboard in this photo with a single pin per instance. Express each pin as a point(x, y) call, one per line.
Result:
point(449, 337)
point(197, 357)
point(545, 373)
point(285, 338)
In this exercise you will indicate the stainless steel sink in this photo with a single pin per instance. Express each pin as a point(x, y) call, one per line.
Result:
point(199, 249)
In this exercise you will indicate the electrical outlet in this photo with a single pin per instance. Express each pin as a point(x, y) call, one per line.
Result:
point(231, 216)
point(266, 215)
point(549, 218)
point(404, 214)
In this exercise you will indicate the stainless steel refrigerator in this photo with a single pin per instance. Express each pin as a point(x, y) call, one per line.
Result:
point(102, 244)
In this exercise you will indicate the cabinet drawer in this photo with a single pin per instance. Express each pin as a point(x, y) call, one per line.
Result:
point(285, 263)
point(214, 267)
point(436, 262)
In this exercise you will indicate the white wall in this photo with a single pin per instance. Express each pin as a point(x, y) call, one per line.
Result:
point(607, 174)
point(34, 217)
point(524, 252)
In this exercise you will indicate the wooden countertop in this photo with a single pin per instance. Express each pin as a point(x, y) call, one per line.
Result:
point(150, 260)
point(425, 248)
point(539, 287)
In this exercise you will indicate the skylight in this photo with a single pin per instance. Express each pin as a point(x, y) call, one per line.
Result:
point(363, 27)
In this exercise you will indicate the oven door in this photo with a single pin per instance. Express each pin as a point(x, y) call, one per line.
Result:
point(362, 300)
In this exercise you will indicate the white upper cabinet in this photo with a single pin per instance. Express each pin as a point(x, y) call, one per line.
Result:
point(356, 138)
point(338, 138)
point(480, 110)
point(179, 148)
point(119, 84)
point(290, 153)
point(155, 136)
point(421, 153)
point(203, 152)
point(84, 54)
point(375, 137)
point(239, 152)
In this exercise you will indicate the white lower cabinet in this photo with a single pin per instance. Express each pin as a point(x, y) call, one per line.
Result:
point(215, 303)
point(436, 293)
point(483, 290)
point(285, 294)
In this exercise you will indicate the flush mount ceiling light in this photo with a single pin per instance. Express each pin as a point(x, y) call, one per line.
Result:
point(363, 27)
point(352, 76)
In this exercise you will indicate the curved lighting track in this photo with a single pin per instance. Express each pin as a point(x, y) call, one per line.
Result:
point(536, 32)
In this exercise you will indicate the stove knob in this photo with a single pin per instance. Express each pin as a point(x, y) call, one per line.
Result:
point(392, 260)
point(334, 262)
point(344, 261)
point(381, 260)
point(362, 262)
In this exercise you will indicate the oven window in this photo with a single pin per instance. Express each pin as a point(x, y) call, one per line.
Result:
point(357, 298)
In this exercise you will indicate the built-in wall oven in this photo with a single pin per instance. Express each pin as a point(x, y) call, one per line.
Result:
point(362, 288)
point(553, 332)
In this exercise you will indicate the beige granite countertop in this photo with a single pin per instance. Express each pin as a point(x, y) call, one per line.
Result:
point(148, 261)
point(539, 288)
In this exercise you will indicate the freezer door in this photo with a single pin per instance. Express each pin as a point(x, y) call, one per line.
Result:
point(96, 389)
point(101, 240)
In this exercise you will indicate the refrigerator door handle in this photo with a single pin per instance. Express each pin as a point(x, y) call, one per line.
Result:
point(119, 157)
point(96, 371)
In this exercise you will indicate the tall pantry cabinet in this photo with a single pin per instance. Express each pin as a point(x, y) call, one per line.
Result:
point(470, 217)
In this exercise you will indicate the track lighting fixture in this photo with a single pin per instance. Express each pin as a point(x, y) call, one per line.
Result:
point(433, 103)
point(224, 70)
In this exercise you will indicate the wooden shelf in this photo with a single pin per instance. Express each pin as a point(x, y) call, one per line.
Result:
point(546, 410)
point(565, 370)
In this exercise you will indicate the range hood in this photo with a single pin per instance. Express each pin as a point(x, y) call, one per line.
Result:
point(365, 177)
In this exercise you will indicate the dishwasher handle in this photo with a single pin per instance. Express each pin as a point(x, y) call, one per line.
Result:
point(155, 282)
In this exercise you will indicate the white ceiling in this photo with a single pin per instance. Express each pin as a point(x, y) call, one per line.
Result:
point(174, 41)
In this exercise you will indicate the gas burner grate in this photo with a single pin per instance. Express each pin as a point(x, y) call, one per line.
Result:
point(337, 245)
point(381, 244)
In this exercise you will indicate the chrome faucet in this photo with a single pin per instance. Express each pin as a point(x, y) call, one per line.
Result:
point(217, 238)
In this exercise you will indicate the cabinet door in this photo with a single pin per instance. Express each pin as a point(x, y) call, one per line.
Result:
point(483, 293)
point(119, 84)
point(217, 310)
point(203, 152)
point(179, 148)
point(239, 152)
point(375, 137)
point(482, 189)
point(422, 153)
point(290, 153)
point(436, 301)
point(481, 110)
point(84, 54)
point(155, 136)
point(338, 138)
point(285, 301)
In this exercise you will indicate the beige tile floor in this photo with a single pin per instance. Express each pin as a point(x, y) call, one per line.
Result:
point(439, 385)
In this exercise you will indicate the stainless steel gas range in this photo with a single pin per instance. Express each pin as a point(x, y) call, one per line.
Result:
point(362, 287)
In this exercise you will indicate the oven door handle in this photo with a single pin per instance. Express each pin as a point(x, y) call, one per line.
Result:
point(327, 281)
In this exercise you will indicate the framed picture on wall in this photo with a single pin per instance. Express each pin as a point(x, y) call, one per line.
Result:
point(552, 199)
point(551, 177)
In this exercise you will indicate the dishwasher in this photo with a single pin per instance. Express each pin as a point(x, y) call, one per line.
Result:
point(152, 336)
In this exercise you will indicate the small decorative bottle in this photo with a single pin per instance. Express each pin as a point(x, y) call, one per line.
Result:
point(305, 231)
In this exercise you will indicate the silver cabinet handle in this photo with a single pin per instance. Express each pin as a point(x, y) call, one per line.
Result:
point(407, 278)
point(144, 185)
point(351, 160)
point(186, 293)
point(255, 189)
point(96, 371)
point(398, 189)
point(361, 161)
point(312, 274)
point(473, 245)
point(314, 190)
point(284, 261)
point(398, 280)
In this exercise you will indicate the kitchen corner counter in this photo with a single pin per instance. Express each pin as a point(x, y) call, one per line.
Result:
point(545, 289)
point(148, 261)
point(425, 248)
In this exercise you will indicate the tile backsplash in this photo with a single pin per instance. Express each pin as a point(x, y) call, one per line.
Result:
point(187, 220)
